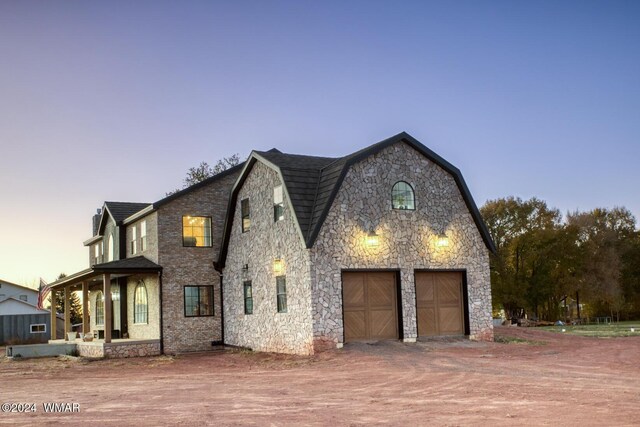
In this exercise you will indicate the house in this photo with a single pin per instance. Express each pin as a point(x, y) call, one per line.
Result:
point(21, 321)
point(293, 254)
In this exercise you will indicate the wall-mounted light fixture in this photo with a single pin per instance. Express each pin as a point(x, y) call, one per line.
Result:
point(245, 268)
point(442, 241)
point(278, 266)
point(372, 239)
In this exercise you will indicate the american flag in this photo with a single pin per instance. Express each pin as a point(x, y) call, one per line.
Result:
point(43, 292)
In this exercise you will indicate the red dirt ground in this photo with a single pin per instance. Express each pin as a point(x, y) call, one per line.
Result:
point(557, 380)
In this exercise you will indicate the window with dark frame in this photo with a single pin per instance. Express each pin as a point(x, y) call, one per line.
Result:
point(402, 196)
point(248, 298)
point(140, 304)
point(39, 328)
point(281, 294)
point(198, 301)
point(278, 204)
point(246, 215)
point(196, 231)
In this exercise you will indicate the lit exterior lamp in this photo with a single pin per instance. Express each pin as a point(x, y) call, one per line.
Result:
point(278, 266)
point(442, 241)
point(372, 239)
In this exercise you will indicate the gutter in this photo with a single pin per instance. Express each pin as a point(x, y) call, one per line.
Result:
point(160, 298)
point(220, 275)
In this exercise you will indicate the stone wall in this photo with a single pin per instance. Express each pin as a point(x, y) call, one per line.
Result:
point(266, 329)
point(407, 240)
point(151, 329)
point(184, 266)
point(118, 350)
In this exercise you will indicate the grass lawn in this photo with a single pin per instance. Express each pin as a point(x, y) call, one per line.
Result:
point(621, 329)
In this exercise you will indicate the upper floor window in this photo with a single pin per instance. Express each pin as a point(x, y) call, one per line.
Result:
point(402, 196)
point(96, 254)
point(134, 240)
point(196, 231)
point(143, 235)
point(248, 298)
point(278, 204)
point(110, 248)
point(198, 301)
point(99, 308)
point(246, 215)
point(140, 304)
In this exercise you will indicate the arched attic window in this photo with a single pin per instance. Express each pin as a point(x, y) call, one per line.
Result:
point(402, 196)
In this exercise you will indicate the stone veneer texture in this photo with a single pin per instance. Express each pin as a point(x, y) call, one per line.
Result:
point(151, 329)
point(183, 266)
point(407, 240)
point(266, 329)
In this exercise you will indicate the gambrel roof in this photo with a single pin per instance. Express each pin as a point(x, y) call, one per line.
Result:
point(312, 184)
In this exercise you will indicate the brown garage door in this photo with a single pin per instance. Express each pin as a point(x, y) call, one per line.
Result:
point(439, 303)
point(370, 306)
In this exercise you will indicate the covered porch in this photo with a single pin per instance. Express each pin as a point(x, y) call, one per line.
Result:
point(120, 309)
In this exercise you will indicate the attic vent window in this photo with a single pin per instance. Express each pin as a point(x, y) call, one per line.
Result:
point(278, 204)
point(402, 196)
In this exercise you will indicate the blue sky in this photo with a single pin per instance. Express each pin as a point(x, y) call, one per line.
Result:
point(116, 100)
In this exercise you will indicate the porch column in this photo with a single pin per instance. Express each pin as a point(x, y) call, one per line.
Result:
point(67, 312)
point(86, 327)
point(54, 318)
point(106, 283)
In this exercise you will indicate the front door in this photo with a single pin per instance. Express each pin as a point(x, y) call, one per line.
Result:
point(370, 306)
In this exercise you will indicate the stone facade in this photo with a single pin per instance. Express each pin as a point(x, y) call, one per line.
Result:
point(184, 266)
point(151, 329)
point(407, 240)
point(266, 240)
point(118, 350)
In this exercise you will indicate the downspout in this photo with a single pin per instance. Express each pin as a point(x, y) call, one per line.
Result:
point(215, 266)
point(160, 298)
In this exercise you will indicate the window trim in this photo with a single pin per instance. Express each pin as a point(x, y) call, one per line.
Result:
point(413, 194)
point(280, 204)
point(143, 235)
point(243, 216)
point(99, 300)
point(184, 297)
point(134, 238)
point(247, 284)
point(43, 331)
point(210, 231)
point(143, 286)
point(279, 294)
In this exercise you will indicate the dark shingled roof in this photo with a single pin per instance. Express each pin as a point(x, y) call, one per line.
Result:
point(121, 210)
point(138, 263)
point(313, 183)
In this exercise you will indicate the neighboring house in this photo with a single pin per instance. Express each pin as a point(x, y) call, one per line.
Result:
point(21, 321)
point(295, 254)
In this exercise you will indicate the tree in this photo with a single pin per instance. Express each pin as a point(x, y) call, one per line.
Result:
point(74, 304)
point(203, 171)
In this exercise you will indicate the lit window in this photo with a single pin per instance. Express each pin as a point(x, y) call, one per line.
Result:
point(99, 308)
point(198, 301)
point(110, 252)
point(140, 305)
point(248, 298)
point(278, 204)
point(134, 240)
point(402, 196)
point(143, 235)
point(23, 297)
point(246, 215)
point(39, 328)
point(281, 292)
point(196, 231)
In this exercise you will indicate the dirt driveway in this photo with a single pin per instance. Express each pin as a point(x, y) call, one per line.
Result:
point(557, 380)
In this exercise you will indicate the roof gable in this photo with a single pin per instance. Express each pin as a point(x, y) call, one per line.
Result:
point(118, 212)
point(312, 184)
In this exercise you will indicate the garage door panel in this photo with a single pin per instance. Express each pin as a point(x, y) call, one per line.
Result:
point(450, 321)
point(383, 324)
point(439, 303)
point(355, 325)
point(353, 291)
point(427, 322)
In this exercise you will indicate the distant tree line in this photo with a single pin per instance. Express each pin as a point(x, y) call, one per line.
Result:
point(544, 259)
